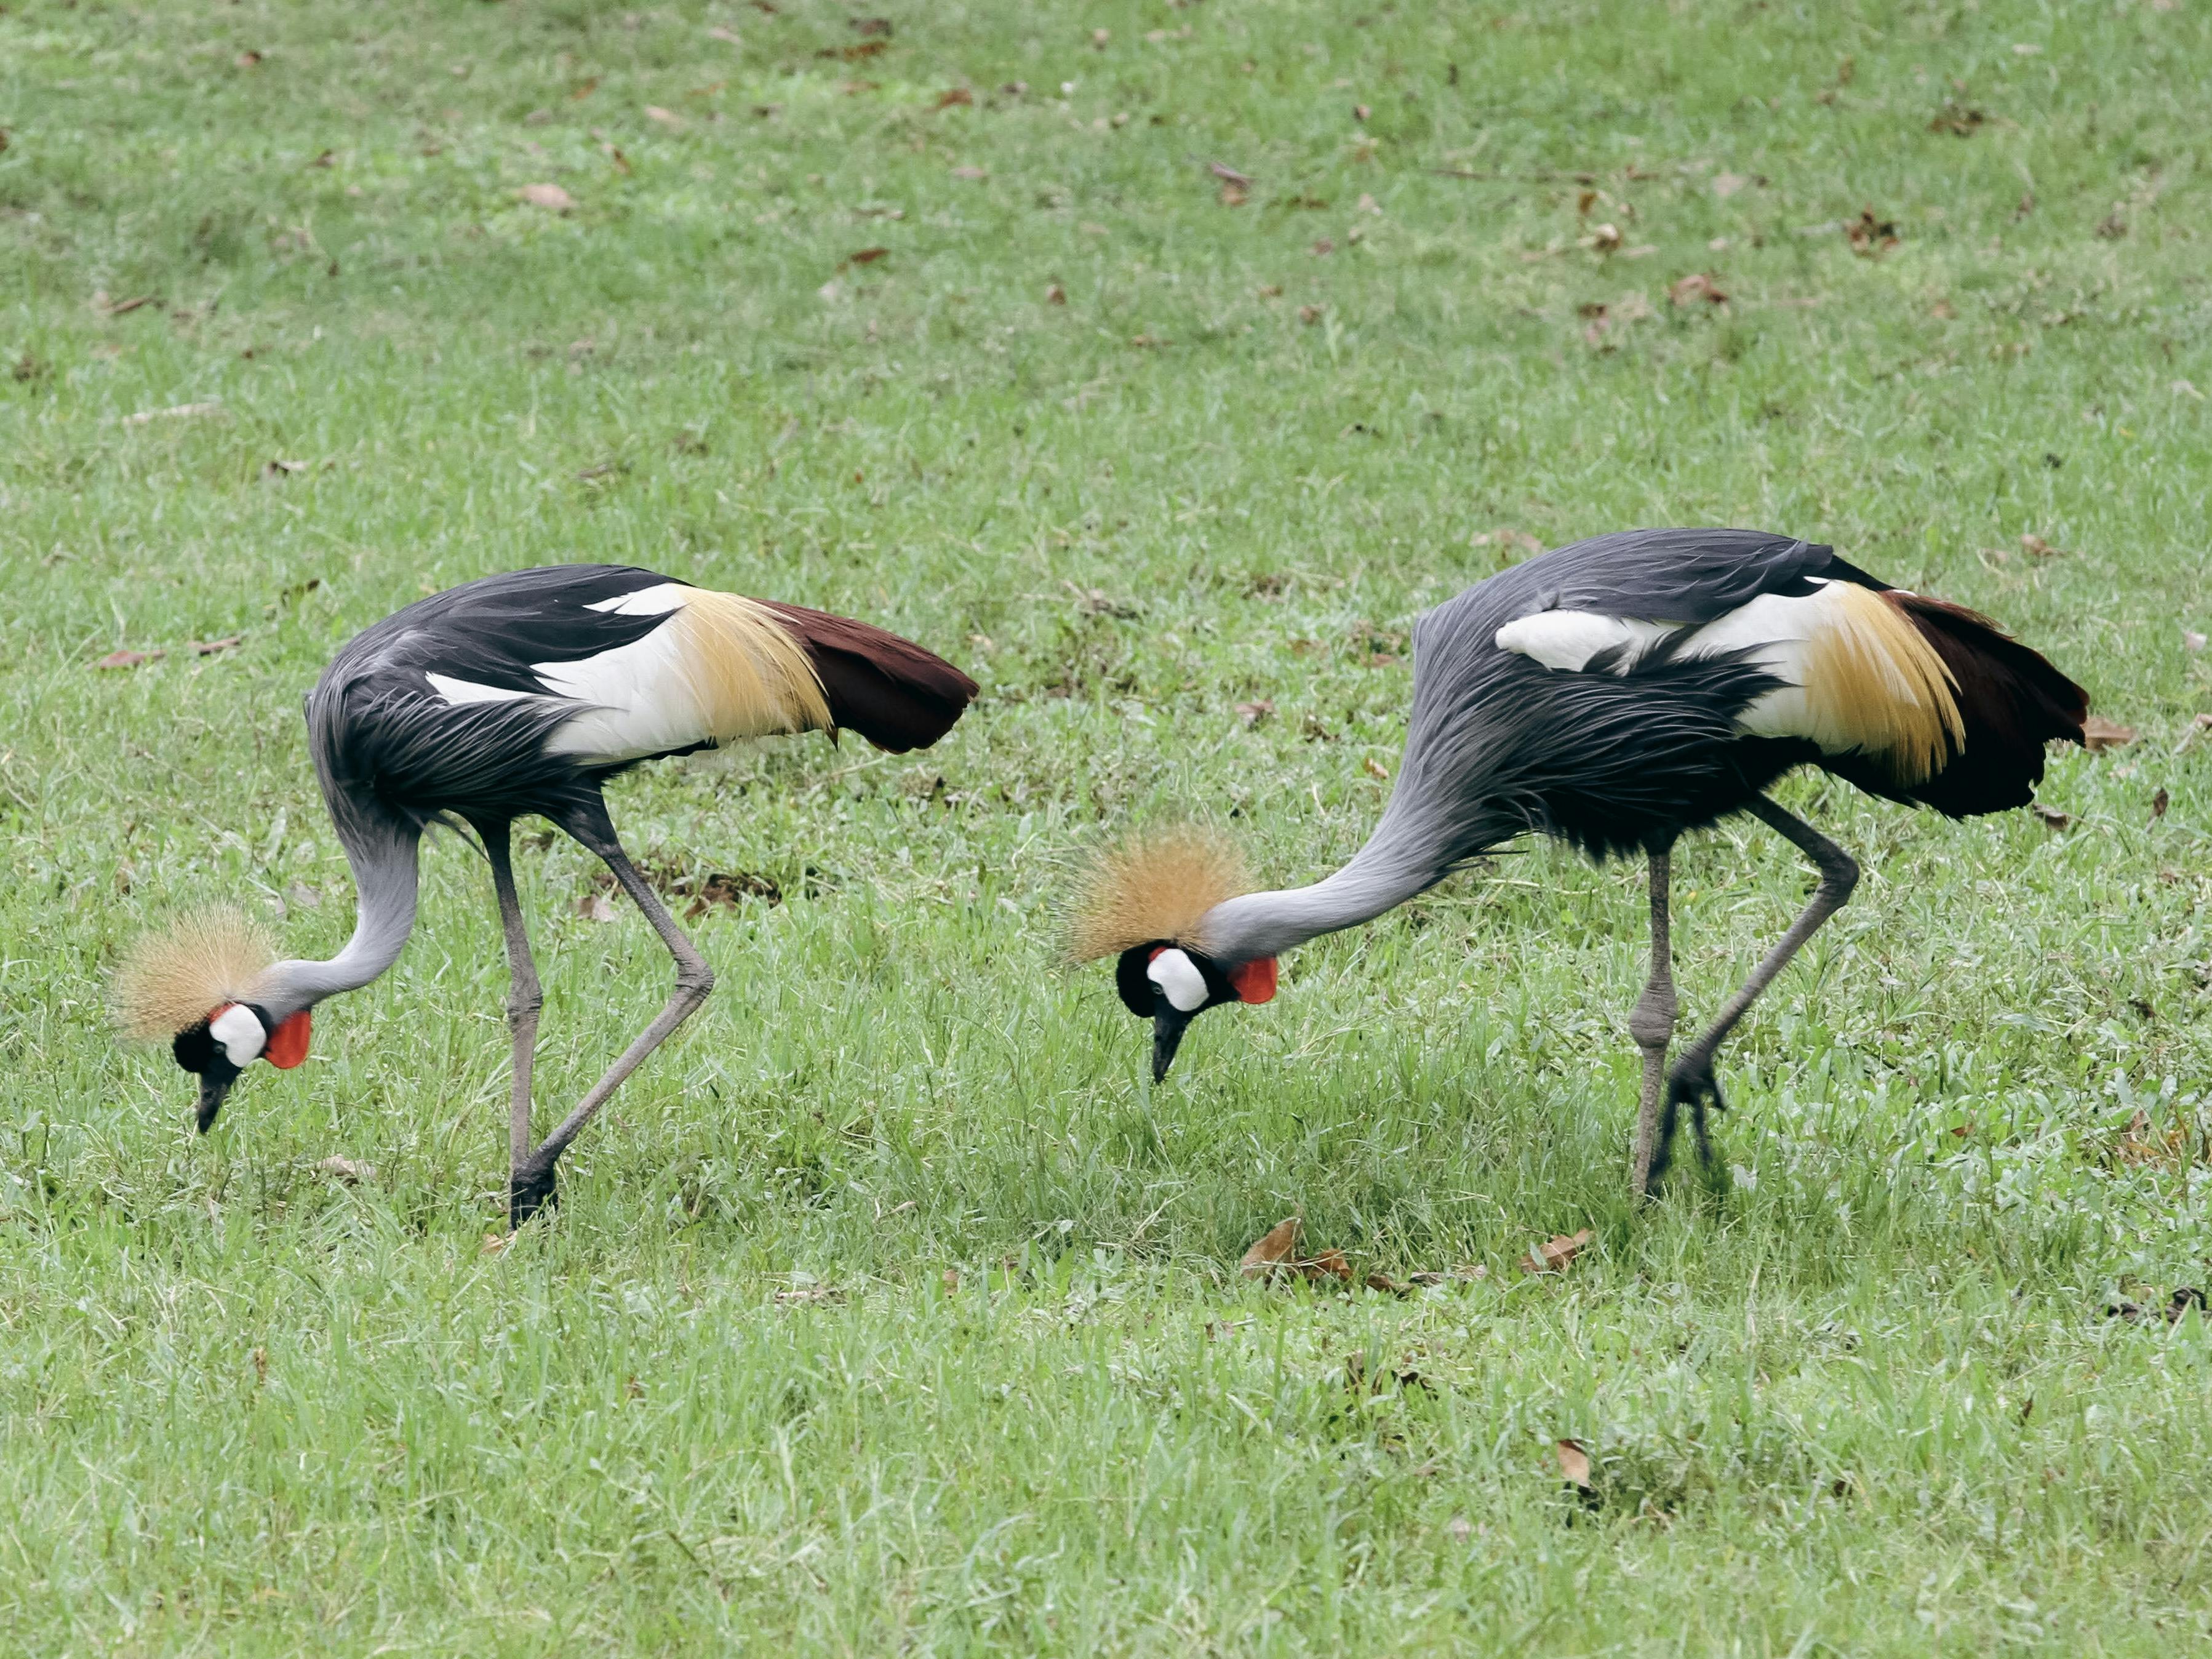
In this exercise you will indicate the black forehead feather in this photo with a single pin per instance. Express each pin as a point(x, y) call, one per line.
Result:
point(194, 1048)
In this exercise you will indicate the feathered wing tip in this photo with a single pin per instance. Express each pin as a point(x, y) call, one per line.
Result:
point(172, 977)
point(892, 692)
point(1152, 887)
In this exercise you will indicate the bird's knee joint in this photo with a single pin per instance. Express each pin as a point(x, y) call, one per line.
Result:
point(1840, 875)
point(524, 1005)
point(694, 981)
point(1651, 1021)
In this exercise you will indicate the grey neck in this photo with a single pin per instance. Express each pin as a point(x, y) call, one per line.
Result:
point(1393, 867)
point(384, 860)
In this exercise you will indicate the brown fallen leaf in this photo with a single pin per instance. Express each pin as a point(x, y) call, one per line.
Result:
point(1697, 285)
point(345, 1169)
point(595, 907)
point(547, 196)
point(2037, 548)
point(586, 90)
point(1375, 770)
point(1233, 195)
point(1323, 248)
point(1274, 1255)
point(1272, 1250)
point(1253, 713)
point(247, 59)
point(970, 173)
point(1552, 1256)
point(801, 1295)
point(1311, 314)
point(2051, 814)
point(867, 256)
point(1466, 1272)
point(2191, 639)
point(208, 647)
point(667, 117)
point(854, 53)
point(950, 1279)
point(122, 308)
point(727, 36)
point(1605, 238)
point(869, 25)
point(2099, 734)
point(1389, 1286)
point(1869, 237)
point(2160, 802)
point(1574, 1464)
point(955, 98)
point(1957, 119)
point(281, 469)
point(129, 659)
point(494, 1243)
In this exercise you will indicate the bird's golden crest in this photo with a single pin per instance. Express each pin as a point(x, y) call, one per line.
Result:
point(173, 978)
point(1873, 682)
point(752, 679)
point(1152, 888)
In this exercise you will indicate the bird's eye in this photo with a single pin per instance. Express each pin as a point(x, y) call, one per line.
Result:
point(1178, 981)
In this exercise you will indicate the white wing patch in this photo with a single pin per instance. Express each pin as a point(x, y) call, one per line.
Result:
point(655, 601)
point(1856, 675)
point(458, 692)
point(719, 668)
point(1567, 639)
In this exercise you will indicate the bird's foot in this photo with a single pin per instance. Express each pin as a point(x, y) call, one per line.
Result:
point(1692, 1083)
point(530, 1189)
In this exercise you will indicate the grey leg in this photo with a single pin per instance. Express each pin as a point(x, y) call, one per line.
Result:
point(1651, 1022)
point(532, 1184)
point(1691, 1082)
point(524, 998)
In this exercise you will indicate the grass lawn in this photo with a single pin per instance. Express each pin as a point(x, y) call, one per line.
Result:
point(888, 1307)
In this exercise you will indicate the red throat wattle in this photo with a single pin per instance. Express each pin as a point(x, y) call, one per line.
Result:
point(1255, 981)
point(287, 1043)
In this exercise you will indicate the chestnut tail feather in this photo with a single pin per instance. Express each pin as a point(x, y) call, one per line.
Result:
point(892, 691)
point(2011, 702)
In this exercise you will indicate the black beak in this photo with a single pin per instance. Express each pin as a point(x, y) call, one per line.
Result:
point(1168, 1024)
point(215, 1083)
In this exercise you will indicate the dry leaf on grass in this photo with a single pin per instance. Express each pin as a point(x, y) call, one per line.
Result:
point(1697, 285)
point(667, 117)
point(494, 1243)
point(2191, 640)
point(2051, 814)
point(208, 647)
point(1253, 713)
point(799, 1296)
point(970, 173)
point(345, 1169)
point(867, 256)
point(129, 659)
point(1274, 1257)
point(595, 907)
point(728, 37)
point(1869, 237)
point(1375, 770)
point(2036, 548)
point(955, 98)
point(547, 196)
point(2160, 802)
point(1574, 1464)
point(1552, 1256)
point(2099, 734)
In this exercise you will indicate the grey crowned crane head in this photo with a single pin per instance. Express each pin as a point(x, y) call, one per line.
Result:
point(194, 983)
point(1144, 903)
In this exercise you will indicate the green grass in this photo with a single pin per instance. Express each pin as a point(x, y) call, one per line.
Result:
point(1861, 1400)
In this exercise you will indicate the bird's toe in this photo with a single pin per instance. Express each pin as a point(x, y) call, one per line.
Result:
point(532, 1188)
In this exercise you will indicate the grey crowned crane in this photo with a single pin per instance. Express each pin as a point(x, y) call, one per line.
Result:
point(1614, 695)
point(522, 694)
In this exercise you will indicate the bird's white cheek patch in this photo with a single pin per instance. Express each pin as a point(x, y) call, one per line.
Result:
point(1178, 978)
point(239, 1033)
